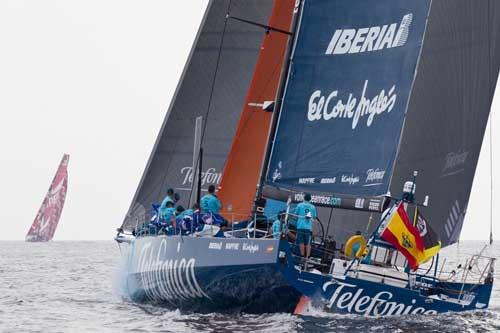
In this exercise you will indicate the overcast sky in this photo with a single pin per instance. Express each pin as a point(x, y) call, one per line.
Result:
point(94, 79)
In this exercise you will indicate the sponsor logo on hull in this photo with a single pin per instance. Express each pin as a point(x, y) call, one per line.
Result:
point(167, 279)
point(350, 298)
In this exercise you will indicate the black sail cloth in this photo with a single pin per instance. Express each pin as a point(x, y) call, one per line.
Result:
point(449, 109)
point(447, 116)
point(213, 85)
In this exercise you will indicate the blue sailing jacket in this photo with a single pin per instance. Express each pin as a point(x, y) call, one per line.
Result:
point(302, 209)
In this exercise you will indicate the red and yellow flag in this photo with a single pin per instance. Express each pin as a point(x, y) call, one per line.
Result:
point(404, 236)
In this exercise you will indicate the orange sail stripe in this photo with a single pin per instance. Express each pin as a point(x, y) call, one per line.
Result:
point(242, 169)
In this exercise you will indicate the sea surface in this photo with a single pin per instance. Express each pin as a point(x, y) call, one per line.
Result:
point(75, 287)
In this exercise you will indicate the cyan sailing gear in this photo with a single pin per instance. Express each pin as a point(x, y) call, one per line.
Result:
point(210, 204)
point(306, 213)
point(276, 228)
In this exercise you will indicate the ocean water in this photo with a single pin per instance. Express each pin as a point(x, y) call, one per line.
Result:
point(75, 287)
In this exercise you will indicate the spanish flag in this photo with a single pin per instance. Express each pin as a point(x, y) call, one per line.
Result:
point(404, 236)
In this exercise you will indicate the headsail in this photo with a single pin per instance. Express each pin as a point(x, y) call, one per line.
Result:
point(449, 109)
point(346, 97)
point(213, 85)
point(45, 223)
point(242, 170)
point(446, 117)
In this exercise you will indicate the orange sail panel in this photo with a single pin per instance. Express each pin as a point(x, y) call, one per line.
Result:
point(243, 166)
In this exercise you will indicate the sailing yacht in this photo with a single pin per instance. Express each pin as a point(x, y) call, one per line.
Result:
point(44, 226)
point(379, 113)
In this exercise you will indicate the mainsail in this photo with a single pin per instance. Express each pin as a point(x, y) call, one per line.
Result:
point(449, 109)
point(213, 85)
point(244, 163)
point(45, 223)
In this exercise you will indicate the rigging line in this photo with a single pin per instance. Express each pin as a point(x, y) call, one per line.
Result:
point(263, 88)
point(491, 178)
point(261, 93)
point(216, 71)
point(491, 128)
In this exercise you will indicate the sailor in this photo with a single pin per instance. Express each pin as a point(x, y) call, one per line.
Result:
point(306, 213)
point(169, 198)
point(183, 219)
point(277, 226)
point(197, 217)
point(167, 216)
point(210, 203)
point(181, 213)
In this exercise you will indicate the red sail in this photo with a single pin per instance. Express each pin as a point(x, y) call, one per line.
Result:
point(45, 224)
point(243, 166)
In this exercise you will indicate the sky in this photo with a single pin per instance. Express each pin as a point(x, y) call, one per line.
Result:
point(94, 79)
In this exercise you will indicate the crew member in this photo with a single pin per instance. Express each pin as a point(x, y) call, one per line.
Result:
point(167, 216)
point(277, 226)
point(210, 203)
point(168, 198)
point(306, 213)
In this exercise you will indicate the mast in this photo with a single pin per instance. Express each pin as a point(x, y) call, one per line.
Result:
point(279, 96)
point(196, 162)
point(200, 168)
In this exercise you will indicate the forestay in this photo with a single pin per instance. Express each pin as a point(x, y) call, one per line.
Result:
point(345, 101)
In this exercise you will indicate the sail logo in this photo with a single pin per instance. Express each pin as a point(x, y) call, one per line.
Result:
point(374, 177)
point(322, 107)
point(454, 163)
point(277, 172)
point(349, 297)
point(210, 176)
point(349, 179)
point(370, 39)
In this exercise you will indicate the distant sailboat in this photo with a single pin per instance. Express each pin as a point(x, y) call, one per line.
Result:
point(45, 223)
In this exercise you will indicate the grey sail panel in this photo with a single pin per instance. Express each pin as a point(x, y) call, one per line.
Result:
point(213, 85)
point(449, 109)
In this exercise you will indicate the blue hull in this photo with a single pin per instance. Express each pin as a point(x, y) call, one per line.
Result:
point(346, 294)
point(209, 274)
